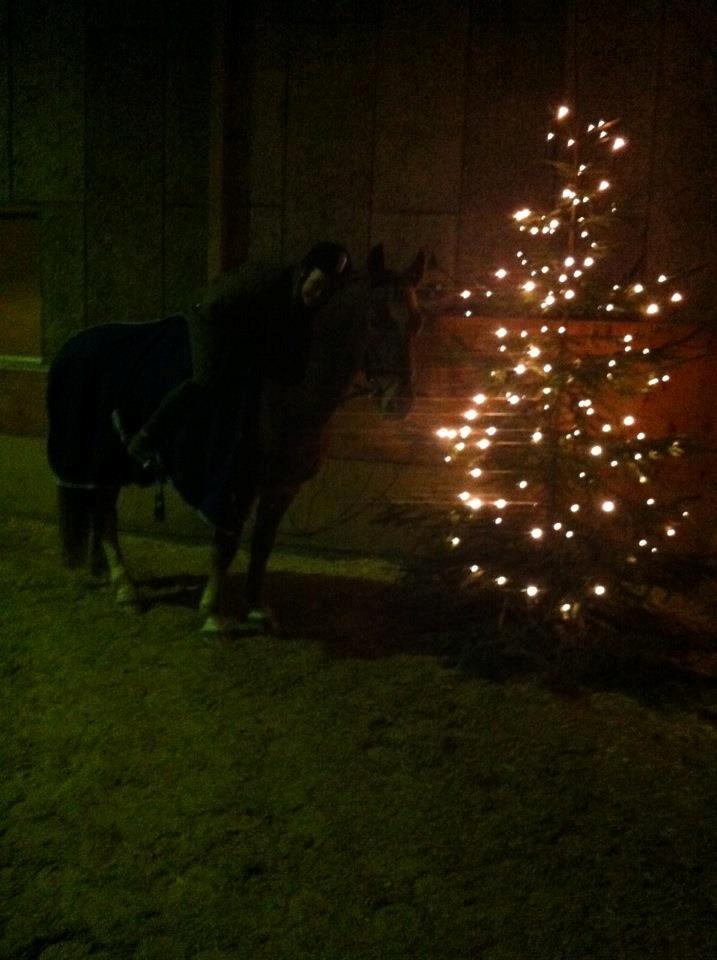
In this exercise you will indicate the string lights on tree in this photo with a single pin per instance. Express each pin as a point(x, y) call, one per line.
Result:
point(556, 505)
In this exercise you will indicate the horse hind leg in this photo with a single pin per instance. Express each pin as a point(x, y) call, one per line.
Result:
point(105, 542)
point(74, 510)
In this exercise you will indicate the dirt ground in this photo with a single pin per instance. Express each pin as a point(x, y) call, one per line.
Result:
point(335, 793)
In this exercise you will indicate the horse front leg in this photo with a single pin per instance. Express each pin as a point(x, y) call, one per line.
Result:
point(273, 504)
point(105, 537)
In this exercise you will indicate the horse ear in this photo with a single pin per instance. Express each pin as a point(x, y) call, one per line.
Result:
point(376, 262)
point(414, 274)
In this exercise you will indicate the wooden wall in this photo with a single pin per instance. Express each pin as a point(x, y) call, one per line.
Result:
point(159, 141)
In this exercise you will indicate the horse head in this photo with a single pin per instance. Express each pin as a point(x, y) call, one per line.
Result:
point(394, 319)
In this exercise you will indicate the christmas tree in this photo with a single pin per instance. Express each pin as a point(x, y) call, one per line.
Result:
point(557, 507)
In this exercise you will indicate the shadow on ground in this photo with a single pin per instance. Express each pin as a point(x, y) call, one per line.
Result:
point(655, 661)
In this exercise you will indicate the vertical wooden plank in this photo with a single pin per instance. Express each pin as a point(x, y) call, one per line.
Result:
point(125, 160)
point(62, 227)
point(48, 101)
point(329, 135)
point(683, 226)
point(616, 53)
point(5, 105)
point(515, 78)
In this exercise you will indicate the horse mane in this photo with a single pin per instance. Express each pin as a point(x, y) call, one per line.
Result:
point(293, 415)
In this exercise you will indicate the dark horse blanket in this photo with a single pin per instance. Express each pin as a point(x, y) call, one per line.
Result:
point(107, 380)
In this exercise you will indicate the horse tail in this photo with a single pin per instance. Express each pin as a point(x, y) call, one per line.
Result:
point(75, 513)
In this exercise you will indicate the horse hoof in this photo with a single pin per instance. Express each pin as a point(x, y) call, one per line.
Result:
point(225, 625)
point(260, 621)
point(127, 595)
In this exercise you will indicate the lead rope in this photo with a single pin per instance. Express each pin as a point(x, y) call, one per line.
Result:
point(160, 474)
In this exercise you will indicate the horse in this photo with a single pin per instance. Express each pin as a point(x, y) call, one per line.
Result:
point(368, 327)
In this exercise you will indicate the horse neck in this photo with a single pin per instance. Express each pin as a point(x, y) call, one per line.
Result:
point(336, 352)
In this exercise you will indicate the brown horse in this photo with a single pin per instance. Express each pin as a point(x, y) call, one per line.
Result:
point(368, 327)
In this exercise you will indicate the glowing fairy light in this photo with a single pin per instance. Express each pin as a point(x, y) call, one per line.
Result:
point(501, 504)
point(676, 297)
point(629, 420)
point(537, 436)
point(599, 590)
point(464, 496)
point(561, 329)
point(501, 332)
point(475, 503)
point(455, 541)
point(566, 608)
point(563, 278)
point(652, 309)
point(529, 286)
point(610, 307)
point(524, 483)
point(653, 381)
point(569, 534)
point(513, 399)
point(557, 526)
point(520, 369)
point(491, 431)
point(604, 185)
point(532, 591)
point(468, 313)
point(608, 506)
point(574, 507)
point(459, 447)
point(501, 273)
point(641, 436)
point(665, 377)
point(671, 532)
point(571, 142)
point(569, 295)
point(563, 111)
point(522, 214)
point(483, 444)
point(547, 367)
point(567, 193)
point(464, 433)
point(618, 143)
point(489, 293)
point(475, 568)
point(638, 288)
point(476, 472)
point(596, 450)
point(650, 501)
point(479, 398)
point(642, 543)
point(470, 414)
point(465, 294)
point(550, 135)
point(501, 581)
point(662, 278)
point(606, 428)
point(612, 363)
point(536, 533)
point(533, 352)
